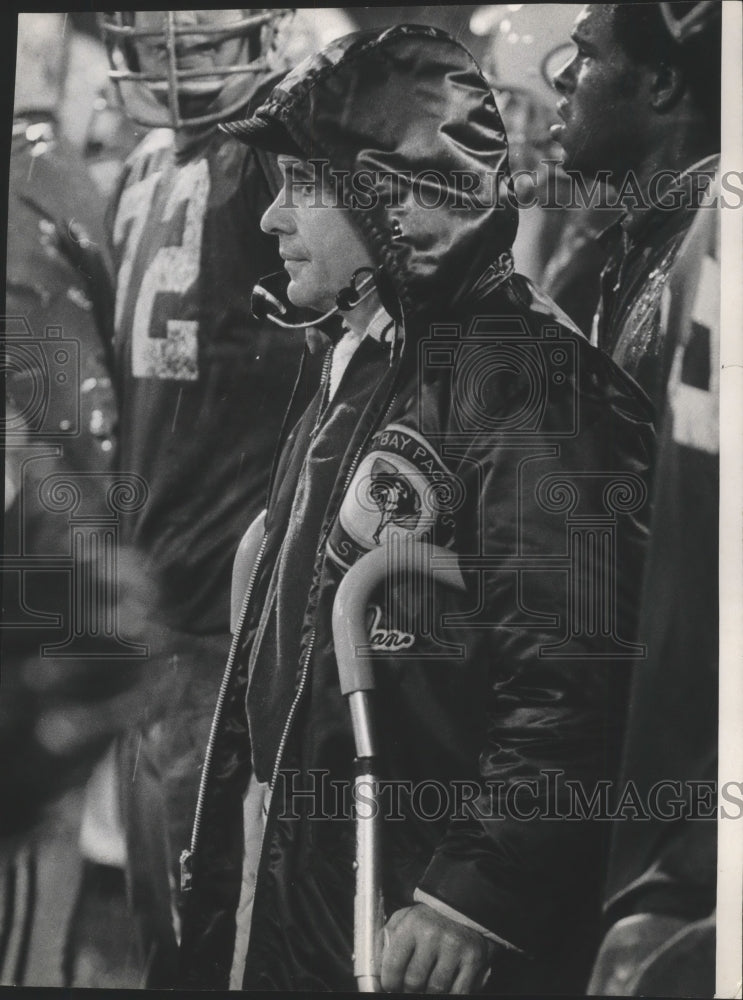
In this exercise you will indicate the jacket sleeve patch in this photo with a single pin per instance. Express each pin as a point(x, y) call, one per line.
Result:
point(401, 487)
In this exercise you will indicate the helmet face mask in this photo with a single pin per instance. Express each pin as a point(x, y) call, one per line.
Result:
point(184, 69)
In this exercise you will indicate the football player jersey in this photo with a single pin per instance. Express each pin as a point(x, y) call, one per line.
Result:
point(203, 388)
point(658, 866)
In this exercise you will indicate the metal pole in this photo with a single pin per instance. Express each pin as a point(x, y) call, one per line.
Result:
point(356, 675)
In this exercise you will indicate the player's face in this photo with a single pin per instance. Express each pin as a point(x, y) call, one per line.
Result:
point(318, 240)
point(198, 51)
point(601, 98)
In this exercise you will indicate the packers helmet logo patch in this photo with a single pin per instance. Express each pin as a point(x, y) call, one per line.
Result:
point(401, 486)
point(395, 496)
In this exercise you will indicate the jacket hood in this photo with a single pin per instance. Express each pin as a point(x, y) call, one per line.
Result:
point(409, 129)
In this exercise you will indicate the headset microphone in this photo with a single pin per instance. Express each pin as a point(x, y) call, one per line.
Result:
point(264, 304)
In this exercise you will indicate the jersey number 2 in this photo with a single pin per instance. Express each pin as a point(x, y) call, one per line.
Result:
point(171, 353)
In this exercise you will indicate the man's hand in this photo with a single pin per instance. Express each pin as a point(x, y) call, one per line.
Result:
point(426, 952)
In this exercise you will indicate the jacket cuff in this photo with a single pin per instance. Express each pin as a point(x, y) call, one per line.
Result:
point(468, 886)
point(419, 896)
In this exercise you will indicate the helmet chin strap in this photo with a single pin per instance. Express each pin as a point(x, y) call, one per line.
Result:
point(265, 305)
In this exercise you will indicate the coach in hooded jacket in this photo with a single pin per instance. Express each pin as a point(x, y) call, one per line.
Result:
point(474, 415)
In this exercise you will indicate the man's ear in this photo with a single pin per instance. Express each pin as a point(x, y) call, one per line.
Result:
point(667, 88)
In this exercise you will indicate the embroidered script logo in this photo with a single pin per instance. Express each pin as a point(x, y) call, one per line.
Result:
point(387, 638)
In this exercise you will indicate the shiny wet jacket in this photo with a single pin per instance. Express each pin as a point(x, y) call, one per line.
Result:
point(487, 424)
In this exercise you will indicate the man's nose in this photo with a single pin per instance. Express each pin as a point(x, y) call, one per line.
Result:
point(277, 218)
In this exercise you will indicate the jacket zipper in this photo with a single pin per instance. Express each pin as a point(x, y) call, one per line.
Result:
point(310, 646)
point(285, 426)
point(186, 859)
point(322, 407)
point(295, 703)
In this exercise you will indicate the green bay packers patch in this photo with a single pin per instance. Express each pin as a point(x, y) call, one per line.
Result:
point(401, 487)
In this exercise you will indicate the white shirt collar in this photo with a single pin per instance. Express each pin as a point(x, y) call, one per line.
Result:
point(377, 326)
point(349, 342)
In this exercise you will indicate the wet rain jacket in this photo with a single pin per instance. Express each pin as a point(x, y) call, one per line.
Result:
point(488, 425)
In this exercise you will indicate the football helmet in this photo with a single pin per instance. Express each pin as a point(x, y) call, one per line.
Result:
point(181, 69)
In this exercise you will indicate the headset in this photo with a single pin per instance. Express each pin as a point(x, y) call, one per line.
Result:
point(266, 304)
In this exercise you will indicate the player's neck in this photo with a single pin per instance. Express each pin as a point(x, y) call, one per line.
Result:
point(188, 142)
